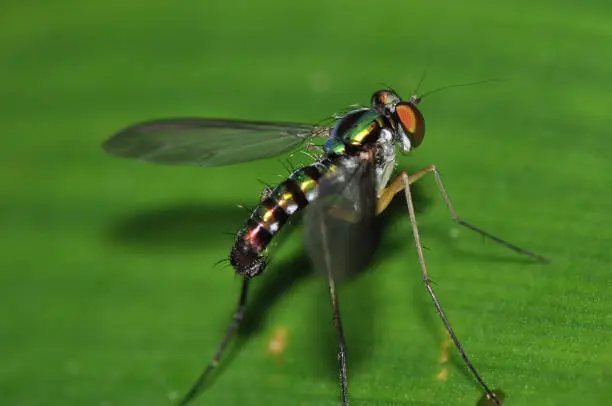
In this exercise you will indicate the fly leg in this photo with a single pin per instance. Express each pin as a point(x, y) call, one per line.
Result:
point(341, 342)
point(400, 184)
point(403, 182)
point(337, 319)
point(229, 334)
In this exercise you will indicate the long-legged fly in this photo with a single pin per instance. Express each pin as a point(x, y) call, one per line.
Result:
point(347, 185)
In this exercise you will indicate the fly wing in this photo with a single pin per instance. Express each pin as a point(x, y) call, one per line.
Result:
point(340, 234)
point(208, 142)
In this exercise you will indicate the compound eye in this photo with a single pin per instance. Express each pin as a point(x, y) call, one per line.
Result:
point(412, 122)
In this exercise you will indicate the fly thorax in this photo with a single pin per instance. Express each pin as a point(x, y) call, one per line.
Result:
point(385, 160)
point(353, 131)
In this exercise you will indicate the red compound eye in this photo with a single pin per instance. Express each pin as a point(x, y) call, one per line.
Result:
point(411, 121)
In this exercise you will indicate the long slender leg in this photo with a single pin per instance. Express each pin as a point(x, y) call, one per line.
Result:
point(341, 342)
point(399, 184)
point(337, 320)
point(417, 239)
point(229, 334)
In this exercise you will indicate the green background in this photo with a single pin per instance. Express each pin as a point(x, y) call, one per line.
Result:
point(108, 290)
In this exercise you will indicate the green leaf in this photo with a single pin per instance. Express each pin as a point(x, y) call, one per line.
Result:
point(108, 290)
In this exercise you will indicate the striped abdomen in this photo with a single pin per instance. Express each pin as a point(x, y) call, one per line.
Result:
point(267, 219)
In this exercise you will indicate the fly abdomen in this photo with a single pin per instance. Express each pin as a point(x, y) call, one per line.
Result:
point(247, 256)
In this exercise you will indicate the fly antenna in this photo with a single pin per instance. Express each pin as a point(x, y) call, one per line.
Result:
point(419, 83)
point(415, 99)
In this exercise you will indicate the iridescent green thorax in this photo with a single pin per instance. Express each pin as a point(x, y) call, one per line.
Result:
point(354, 130)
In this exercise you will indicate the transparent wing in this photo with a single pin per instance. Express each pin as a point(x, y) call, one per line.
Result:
point(208, 142)
point(339, 223)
